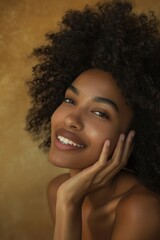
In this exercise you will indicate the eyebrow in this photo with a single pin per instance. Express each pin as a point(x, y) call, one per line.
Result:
point(73, 89)
point(97, 98)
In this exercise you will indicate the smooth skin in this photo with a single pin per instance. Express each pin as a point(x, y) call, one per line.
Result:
point(98, 199)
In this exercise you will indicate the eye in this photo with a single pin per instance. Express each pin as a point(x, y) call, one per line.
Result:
point(68, 100)
point(101, 114)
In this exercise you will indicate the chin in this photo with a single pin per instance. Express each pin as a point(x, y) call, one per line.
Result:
point(60, 160)
point(54, 160)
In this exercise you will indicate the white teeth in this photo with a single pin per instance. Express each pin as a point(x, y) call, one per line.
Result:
point(68, 142)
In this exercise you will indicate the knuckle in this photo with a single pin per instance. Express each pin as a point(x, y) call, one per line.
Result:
point(101, 163)
point(117, 163)
point(123, 164)
point(124, 161)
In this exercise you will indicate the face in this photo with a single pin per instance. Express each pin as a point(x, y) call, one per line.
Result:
point(93, 110)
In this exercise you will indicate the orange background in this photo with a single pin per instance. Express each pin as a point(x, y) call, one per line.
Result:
point(24, 169)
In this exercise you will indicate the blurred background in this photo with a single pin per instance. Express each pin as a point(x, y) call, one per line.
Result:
point(24, 168)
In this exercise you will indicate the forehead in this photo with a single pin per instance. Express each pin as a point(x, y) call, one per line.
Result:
point(98, 82)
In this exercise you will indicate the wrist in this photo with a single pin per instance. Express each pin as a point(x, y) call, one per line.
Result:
point(68, 200)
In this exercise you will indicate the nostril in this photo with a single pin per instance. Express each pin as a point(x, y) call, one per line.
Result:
point(73, 122)
point(73, 126)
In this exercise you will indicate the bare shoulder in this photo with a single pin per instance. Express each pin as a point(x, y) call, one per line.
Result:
point(52, 191)
point(140, 208)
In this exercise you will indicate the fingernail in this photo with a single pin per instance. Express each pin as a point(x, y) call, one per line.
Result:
point(108, 143)
point(122, 137)
point(133, 134)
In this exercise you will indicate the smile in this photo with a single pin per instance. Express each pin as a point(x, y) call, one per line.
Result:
point(67, 141)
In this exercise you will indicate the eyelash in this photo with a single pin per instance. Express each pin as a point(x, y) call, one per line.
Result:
point(100, 114)
point(68, 100)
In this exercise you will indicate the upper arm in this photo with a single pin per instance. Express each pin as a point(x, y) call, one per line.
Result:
point(52, 192)
point(137, 218)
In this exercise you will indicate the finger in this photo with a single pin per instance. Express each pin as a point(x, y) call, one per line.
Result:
point(101, 163)
point(113, 165)
point(125, 156)
point(116, 158)
point(105, 152)
point(119, 143)
point(128, 147)
point(109, 166)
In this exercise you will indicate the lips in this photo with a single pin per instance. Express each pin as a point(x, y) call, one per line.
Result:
point(71, 136)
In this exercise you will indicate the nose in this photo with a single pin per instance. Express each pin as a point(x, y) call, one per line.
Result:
point(74, 121)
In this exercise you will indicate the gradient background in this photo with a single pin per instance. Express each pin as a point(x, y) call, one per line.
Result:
point(24, 169)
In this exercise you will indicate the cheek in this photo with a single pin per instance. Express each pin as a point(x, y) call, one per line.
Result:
point(55, 120)
point(95, 135)
point(100, 134)
point(57, 117)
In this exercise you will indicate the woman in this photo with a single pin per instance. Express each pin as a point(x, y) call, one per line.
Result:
point(98, 81)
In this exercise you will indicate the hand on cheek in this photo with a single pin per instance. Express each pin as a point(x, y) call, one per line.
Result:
point(100, 173)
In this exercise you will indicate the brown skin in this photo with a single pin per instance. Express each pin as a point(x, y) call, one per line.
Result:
point(113, 204)
point(129, 199)
point(81, 117)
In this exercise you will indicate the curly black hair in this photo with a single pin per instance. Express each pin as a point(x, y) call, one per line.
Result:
point(111, 37)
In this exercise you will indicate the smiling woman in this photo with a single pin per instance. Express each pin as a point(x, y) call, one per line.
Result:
point(88, 116)
point(96, 99)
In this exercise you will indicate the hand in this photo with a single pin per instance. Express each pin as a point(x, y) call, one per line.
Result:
point(99, 174)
